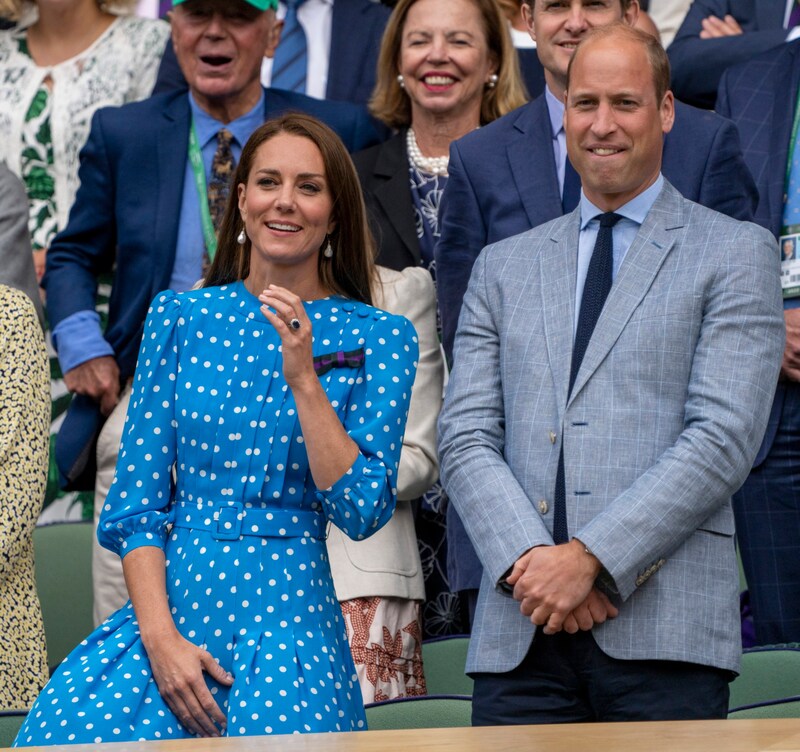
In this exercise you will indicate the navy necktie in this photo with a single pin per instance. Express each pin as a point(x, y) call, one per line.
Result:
point(572, 188)
point(595, 291)
point(290, 66)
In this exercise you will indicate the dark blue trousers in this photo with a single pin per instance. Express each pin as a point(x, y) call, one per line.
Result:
point(566, 678)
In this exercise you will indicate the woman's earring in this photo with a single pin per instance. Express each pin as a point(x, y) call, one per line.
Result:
point(401, 81)
point(492, 82)
point(328, 252)
point(241, 238)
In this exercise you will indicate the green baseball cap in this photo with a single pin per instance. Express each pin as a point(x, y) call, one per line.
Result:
point(260, 4)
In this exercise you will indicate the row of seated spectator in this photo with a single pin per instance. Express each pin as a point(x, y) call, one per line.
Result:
point(491, 194)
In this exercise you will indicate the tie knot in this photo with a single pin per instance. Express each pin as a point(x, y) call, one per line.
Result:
point(293, 5)
point(224, 137)
point(609, 219)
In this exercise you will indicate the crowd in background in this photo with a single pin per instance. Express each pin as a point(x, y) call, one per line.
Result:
point(116, 117)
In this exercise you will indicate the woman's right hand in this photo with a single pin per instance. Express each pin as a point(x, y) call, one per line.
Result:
point(178, 667)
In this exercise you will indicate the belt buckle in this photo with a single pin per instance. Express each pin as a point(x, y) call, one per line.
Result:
point(229, 521)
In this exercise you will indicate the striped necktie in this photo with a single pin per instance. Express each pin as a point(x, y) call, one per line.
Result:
point(290, 66)
point(219, 185)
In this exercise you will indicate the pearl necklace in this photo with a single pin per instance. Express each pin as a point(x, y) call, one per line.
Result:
point(430, 165)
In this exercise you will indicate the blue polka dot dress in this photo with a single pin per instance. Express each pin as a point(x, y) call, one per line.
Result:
point(241, 521)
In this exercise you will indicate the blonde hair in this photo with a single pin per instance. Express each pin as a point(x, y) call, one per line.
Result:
point(14, 9)
point(391, 105)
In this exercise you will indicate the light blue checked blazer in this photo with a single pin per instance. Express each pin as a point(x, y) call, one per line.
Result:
point(665, 417)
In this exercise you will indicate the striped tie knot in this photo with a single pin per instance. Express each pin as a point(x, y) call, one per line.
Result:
point(290, 66)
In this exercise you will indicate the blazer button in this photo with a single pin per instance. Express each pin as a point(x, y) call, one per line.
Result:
point(552, 437)
point(640, 581)
point(543, 507)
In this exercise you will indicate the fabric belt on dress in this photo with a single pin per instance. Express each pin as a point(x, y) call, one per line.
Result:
point(229, 520)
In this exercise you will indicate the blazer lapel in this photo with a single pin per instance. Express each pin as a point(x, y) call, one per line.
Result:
point(642, 262)
point(172, 145)
point(393, 193)
point(559, 262)
point(533, 165)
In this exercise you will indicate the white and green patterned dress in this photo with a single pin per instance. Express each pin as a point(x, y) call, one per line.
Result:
point(45, 118)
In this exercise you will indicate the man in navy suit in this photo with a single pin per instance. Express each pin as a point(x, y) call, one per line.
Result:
point(718, 33)
point(512, 175)
point(140, 210)
point(760, 96)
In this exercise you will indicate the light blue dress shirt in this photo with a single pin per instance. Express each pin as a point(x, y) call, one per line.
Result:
point(633, 214)
point(78, 337)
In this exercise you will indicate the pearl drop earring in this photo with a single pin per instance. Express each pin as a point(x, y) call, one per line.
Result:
point(328, 252)
point(492, 82)
point(401, 80)
point(241, 238)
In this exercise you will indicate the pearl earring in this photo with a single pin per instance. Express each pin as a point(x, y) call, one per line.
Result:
point(241, 238)
point(328, 252)
point(492, 82)
point(401, 80)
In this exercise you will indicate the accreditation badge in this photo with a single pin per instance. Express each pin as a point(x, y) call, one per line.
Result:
point(790, 265)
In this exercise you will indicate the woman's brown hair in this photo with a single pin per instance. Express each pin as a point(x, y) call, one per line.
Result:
point(350, 270)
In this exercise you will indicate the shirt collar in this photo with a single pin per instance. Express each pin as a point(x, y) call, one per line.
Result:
point(207, 127)
point(555, 108)
point(636, 209)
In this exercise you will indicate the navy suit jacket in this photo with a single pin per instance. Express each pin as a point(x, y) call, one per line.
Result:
point(127, 211)
point(759, 97)
point(503, 181)
point(697, 64)
point(356, 31)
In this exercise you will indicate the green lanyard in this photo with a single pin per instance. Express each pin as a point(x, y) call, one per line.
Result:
point(792, 229)
point(196, 161)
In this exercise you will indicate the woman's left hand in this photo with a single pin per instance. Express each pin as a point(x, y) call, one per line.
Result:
point(294, 328)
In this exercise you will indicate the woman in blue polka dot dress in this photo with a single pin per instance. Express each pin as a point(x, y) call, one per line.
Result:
point(264, 405)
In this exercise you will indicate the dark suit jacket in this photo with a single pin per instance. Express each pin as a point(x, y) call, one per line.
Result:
point(697, 64)
point(383, 171)
point(126, 213)
point(503, 181)
point(356, 31)
point(532, 71)
point(757, 96)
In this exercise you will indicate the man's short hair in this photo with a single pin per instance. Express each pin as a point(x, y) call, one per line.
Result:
point(659, 62)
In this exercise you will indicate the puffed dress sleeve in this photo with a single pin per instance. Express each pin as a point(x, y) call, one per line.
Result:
point(135, 513)
point(363, 499)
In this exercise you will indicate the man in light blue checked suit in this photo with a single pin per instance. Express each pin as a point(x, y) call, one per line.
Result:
point(614, 370)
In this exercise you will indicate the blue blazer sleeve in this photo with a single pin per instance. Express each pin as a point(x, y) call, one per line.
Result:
point(697, 64)
point(86, 246)
point(727, 184)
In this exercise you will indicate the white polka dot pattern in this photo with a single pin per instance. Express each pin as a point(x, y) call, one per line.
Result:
point(254, 589)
